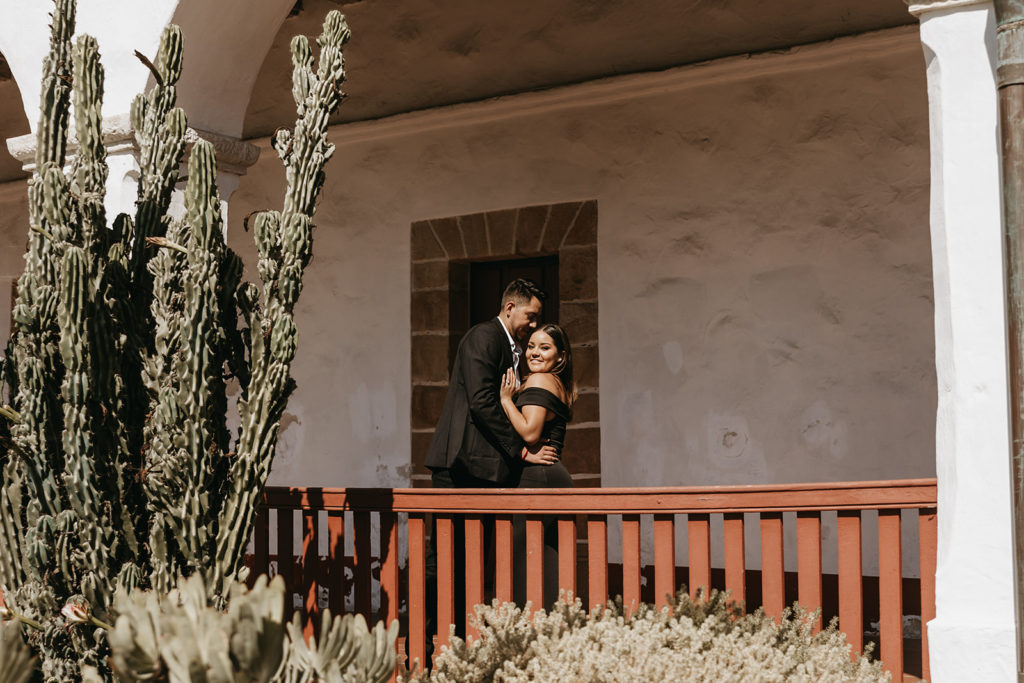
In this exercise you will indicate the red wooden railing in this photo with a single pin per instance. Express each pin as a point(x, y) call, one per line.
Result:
point(401, 580)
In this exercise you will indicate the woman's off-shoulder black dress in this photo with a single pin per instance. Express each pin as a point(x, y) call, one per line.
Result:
point(541, 476)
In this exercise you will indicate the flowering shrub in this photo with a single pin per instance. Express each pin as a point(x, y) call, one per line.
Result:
point(695, 640)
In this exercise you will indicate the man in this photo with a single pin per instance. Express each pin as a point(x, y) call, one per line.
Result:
point(474, 444)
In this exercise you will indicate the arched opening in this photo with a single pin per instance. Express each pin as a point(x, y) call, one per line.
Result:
point(12, 122)
point(221, 67)
point(13, 205)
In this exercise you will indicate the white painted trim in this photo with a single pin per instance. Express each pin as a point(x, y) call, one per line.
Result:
point(233, 155)
point(603, 91)
point(919, 8)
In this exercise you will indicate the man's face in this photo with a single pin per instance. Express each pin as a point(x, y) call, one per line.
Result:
point(523, 318)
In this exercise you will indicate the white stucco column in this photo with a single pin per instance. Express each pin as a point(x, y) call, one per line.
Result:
point(972, 637)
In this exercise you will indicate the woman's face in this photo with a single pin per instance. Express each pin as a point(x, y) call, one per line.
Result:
point(541, 353)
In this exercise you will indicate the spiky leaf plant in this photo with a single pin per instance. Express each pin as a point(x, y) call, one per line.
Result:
point(176, 636)
point(118, 467)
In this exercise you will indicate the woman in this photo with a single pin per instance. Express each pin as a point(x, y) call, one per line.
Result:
point(540, 410)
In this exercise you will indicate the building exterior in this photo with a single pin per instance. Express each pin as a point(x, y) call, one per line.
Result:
point(775, 234)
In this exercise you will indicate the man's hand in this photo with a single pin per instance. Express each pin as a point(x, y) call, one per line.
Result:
point(540, 453)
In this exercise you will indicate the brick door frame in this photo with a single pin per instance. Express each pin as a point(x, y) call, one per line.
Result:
point(441, 250)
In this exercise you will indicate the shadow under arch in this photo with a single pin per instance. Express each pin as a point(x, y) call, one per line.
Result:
point(225, 43)
point(13, 122)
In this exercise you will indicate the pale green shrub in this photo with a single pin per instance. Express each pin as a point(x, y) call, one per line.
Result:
point(696, 641)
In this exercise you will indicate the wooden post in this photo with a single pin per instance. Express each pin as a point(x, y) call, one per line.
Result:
point(630, 562)
point(808, 550)
point(735, 556)
point(699, 542)
point(851, 590)
point(664, 558)
point(773, 568)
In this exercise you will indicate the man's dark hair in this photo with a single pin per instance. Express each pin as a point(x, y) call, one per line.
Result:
point(520, 291)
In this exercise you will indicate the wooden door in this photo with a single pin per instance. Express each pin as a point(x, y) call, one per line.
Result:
point(487, 280)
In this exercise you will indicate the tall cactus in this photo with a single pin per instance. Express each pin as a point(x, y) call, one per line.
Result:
point(117, 465)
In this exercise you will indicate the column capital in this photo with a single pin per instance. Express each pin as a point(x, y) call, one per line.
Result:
point(920, 7)
point(233, 155)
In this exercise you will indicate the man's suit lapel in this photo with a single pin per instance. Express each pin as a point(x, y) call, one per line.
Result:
point(506, 350)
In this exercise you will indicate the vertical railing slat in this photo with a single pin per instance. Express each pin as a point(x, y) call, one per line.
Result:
point(389, 566)
point(336, 560)
point(535, 561)
point(503, 558)
point(698, 530)
point(285, 561)
point(597, 560)
point(261, 544)
point(851, 588)
point(445, 577)
point(474, 569)
point(927, 530)
point(630, 562)
point(664, 559)
point(417, 589)
point(890, 592)
point(567, 557)
point(310, 560)
point(808, 552)
point(735, 556)
point(773, 586)
point(363, 563)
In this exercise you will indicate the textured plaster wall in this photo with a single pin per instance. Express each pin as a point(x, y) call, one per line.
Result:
point(764, 264)
point(766, 284)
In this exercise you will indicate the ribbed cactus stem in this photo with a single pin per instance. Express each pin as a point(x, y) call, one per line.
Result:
point(89, 170)
point(284, 243)
point(51, 135)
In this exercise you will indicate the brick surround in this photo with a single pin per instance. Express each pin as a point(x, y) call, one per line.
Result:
point(442, 249)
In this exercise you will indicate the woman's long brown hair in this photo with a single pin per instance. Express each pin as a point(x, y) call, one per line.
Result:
point(563, 368)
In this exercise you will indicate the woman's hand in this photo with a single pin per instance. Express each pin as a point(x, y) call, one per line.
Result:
point(540, 454)
point(508, 385)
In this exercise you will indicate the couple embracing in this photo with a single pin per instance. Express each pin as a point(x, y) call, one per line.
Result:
point(504, 419)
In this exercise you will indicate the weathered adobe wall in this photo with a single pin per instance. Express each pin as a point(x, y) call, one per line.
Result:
point(13, 233)
point(764, 264)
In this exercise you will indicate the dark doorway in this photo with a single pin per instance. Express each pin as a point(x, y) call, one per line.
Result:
point(487, 280)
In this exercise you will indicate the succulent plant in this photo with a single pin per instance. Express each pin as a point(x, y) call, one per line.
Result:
point(118, 471)
point(181, 636)
point(16, 661)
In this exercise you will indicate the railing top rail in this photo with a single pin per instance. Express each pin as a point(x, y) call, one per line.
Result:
point(858, 495)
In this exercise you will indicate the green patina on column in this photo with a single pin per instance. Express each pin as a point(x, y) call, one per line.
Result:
point(1010, 82)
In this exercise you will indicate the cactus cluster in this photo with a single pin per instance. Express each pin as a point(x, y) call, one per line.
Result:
point(118, 470)
point(177, 636)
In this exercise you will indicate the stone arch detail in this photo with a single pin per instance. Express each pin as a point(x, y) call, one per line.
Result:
point(441, 250)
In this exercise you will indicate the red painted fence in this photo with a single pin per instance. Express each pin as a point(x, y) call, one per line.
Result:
point(351, 567)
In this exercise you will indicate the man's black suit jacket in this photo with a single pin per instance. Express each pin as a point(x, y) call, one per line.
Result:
point(473, 428)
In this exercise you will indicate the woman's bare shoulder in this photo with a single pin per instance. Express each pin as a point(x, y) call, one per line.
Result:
point(544, 380)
